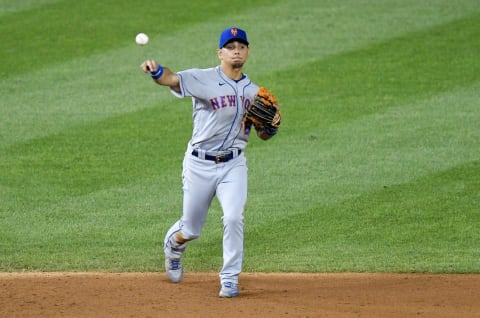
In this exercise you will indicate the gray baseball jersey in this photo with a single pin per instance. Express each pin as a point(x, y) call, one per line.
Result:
point(219, 104)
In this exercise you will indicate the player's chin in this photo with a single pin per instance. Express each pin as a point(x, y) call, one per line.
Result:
point(237, 64)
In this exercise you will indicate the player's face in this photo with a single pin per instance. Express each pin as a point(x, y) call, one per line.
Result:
point(234, 53)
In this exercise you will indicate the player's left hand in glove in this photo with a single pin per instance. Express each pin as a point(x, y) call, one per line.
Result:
point(263, 114)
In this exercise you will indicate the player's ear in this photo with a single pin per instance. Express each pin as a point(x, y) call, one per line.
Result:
point(219, 53)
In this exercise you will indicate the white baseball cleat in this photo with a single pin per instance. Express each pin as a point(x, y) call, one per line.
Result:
point(229, 290)
point(174, 269)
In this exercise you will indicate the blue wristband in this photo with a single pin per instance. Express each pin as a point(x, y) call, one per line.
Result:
point(158, 74)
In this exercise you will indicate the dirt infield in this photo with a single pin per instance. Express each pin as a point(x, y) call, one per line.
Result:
point(261, 295)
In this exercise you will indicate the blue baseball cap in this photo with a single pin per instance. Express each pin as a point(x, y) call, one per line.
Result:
point(232, 34)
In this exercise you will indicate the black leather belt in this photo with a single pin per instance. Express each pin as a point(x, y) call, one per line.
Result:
point(224, 157)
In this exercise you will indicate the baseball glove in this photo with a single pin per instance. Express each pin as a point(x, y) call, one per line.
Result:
point(263, 113)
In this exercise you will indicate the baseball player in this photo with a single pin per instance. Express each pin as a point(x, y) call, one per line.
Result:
point(214, 162)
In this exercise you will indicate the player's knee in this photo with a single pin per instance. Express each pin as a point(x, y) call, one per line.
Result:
point(233, 221)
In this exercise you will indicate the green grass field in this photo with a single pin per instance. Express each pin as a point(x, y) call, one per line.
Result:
point(376, 167)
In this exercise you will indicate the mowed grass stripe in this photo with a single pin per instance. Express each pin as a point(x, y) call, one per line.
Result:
point(97, 156)
point(65, 30)
point(9, 7)
point(427, 225)
point(360, 156)
point(370, 79)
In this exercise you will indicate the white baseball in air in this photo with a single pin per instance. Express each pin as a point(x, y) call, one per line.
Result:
point(141, 39)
